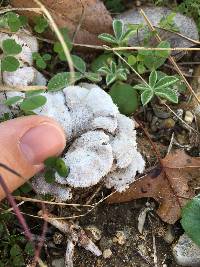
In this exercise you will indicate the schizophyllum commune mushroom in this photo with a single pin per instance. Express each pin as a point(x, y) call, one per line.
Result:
point(101, 142)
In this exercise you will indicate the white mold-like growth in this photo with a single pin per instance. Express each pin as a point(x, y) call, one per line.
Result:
point(56, 108)
point(23, 76)
point(58, 191)
point(90, 158)
point(124, 142)
point(26, 74)
point(101, 141)
point(39, 79)
point(121, 178)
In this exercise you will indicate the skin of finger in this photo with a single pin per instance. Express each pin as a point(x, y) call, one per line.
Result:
point(10, 153)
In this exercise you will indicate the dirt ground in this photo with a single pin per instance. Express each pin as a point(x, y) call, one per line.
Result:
point(138, 250)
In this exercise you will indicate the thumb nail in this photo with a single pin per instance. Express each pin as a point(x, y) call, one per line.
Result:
point(41, 142)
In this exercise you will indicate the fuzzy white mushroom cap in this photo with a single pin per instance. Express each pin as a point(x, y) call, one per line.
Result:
point(101, 142)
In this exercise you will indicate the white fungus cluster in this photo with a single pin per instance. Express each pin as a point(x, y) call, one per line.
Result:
point(101, 141)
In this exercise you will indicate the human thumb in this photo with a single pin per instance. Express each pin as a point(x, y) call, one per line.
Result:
point(24, 144)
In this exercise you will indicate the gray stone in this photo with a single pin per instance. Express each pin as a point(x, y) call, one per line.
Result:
point(186, 252)
point(186, 25)
point(58, 262)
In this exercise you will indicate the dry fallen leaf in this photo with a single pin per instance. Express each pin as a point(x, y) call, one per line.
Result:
point(90, 15)
point(167, 184)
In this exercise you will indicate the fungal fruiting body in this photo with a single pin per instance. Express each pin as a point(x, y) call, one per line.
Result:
point(101, 142)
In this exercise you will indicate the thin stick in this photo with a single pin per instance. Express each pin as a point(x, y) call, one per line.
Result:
point(60, 38)
point(27, 199)
point(16, 209)
point(122, 48)
point(32, 9)
point(22, 88)
point(171, 59)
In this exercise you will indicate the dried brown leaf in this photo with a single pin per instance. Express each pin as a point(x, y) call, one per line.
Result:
point(88, 17)
point(167, 184)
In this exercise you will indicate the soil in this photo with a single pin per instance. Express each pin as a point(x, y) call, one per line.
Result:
point(138, 249)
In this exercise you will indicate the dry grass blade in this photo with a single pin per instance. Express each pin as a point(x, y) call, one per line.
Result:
point(5, 10)
point(22, 88)
point(27, 199)
point(55, 28)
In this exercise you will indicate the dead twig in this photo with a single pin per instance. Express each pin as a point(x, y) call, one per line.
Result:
point(76, 235)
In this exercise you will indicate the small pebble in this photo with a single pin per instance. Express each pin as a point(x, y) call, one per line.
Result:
point(168, 123)
point(58, 238)
point(182, 138)
point(120, 238)
point(169, 235)
point(189, 117)
point(138, 3)
point(107, 253)
point(94, 232)
point(58, 262)
point(186, 252)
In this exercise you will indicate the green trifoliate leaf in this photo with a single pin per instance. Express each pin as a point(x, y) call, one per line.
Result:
point(61, 80)
point(10, 47)
point(125, 97)
point(61, 168)
point(79, 63)
point(141, 87)
point(110, 78)
point(113, 67)
point(41, 24)
point(168, 94)
point(50, 162)
point(12, 100)
point(93, 77)
point(126, 35)
point(132, 60)
point(50, 176)
point(153, 62)
point(153, 79)
point(29, 249)
point(23, 20)
point(141, 68)
point(100, 61)
point(104, 70)
point(15, 250)
point(108, 38)
point(146, 96)
point(118, 29)
point(33, 102)
point(168, 23)
point(13, 21)
point(46, 57)
point(33, 92)
point(122, 76)
point(191, 219)
point(26, 188)
point(9, 63)
point(166, 82)
point(163, 53)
